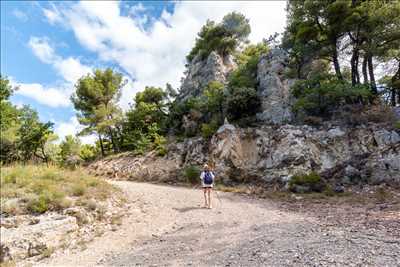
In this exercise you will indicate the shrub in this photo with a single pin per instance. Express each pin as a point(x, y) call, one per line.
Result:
point(38, 204)
point(159, 145)
point(323, 94)
point(397, 125)
point(242, 102)
point(303, 183)
point(208, 129)
point(78, 189)
point(192, 174)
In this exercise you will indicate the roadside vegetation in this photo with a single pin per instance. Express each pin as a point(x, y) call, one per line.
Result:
point(29, 189)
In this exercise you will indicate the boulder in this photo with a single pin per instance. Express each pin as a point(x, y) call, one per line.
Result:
point(29, 240)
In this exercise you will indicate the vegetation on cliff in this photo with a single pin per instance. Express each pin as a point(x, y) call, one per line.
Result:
point(319, 39)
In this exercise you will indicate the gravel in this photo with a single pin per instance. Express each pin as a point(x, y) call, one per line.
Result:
point(167, 226)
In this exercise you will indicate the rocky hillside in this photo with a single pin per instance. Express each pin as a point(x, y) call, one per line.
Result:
point(273, 151)
point(273, 154)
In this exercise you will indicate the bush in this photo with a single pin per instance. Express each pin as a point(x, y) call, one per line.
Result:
point(242, 102)
point(397, 125)
point(208, 129)
point(305, 183)
point(321, 95)
point(192, 174)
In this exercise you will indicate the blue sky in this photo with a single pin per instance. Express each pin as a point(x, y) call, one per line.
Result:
point(47, 46)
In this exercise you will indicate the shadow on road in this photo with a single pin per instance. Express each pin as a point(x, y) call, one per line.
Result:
point(186, 209)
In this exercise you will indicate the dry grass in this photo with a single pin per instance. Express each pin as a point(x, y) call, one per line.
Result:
point(37, 189)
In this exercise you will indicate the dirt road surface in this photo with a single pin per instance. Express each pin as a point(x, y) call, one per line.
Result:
point(167, 226)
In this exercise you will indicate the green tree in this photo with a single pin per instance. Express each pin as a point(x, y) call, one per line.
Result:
point(96, 100)
point(242, 102)
point(33, 135)
point(215, 96)
point(146, 118)
point(9, 123)
point(246, 73)
point(70, 146)
point(223, 38)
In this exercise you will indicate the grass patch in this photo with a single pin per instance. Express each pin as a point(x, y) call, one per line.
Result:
point(37, 189)
point(192, 174)
point(306, 183)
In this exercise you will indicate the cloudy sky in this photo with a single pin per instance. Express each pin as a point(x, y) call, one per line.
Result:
point(47, 46)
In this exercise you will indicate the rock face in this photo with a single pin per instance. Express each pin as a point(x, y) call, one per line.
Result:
point(29, 240)
point(201, 72)
point(273, 154)
point(274, 88)
point(367, 155)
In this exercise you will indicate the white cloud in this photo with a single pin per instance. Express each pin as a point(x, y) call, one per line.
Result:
point(20, 15)
point(72, 127)
point(156, 55)
point(52, 14)
point(71, 69)
point(49, 96)
point(42, 49)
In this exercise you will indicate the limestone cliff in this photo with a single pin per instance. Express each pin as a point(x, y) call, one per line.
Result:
point(201, 72)
point(274, 88)
point(273, 154)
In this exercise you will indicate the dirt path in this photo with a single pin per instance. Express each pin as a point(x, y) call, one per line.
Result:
point(167, 227)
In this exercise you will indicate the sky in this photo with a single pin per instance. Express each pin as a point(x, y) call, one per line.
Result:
point(47, 46)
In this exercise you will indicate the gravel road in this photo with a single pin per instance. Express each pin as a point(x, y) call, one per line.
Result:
point(167, 226)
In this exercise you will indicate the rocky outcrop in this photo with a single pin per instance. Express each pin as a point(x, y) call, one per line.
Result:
point(201, 72)
point(273, 154)
point(274, 88)
point(28, 238)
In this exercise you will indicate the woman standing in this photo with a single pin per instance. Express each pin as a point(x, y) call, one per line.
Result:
point(207, 182)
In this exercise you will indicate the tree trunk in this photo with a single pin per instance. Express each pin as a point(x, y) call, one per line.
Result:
point(115, 148)
point(101, 146)
point(355, 76)
point(371, 75)
point(393, 97)
point(364, 70)
point(336, 64)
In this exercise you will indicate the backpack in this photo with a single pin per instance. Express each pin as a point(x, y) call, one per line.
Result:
point(208, 179)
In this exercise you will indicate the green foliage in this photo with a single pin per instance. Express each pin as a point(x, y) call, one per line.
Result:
point(33, 135)
point(159, 145)
point(397, 125)
point(88, 152)
point(214, 100)
point(151, 95)
point(208, 129)
point(95, 100)
point(323, 94)
point(246, 73)
point(223, 38)
point(6, 90)
point(146, 120)
point(192, 174)
point(42, 189)
point(242, 102)
point(312, 182)
point(69, 147)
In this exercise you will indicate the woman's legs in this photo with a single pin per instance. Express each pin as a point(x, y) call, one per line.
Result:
point(209, 197)
point(205, 197)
